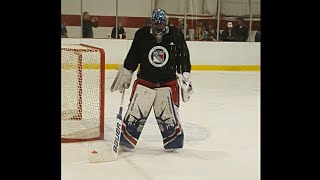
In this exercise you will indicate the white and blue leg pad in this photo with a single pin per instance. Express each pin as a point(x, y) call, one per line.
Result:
point(168, 119)
point(136, 115)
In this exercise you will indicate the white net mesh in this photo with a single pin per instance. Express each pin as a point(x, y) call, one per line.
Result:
point(81, 93)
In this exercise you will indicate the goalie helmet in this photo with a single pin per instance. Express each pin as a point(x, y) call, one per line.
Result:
point(159, 20)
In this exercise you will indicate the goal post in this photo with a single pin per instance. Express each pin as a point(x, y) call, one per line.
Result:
point(82, 93)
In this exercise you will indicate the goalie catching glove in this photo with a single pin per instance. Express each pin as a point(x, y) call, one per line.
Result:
point(184, 81)
point(122, 80)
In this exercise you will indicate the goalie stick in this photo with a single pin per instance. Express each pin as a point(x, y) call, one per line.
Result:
point(112, 155)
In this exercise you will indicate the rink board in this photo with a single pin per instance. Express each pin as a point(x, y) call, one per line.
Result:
point(194, 67)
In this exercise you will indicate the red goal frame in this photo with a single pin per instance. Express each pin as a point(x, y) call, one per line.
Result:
point(102, 90)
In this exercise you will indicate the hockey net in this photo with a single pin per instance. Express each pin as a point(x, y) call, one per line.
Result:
point(82, 93)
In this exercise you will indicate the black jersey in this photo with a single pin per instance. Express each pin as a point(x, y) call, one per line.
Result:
point(158, 62)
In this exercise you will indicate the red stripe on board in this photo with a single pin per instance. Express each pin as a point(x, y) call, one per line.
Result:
point(223, 23)
point(71, 20)
point(138, 22)
point(107, 21)
point(133, 22)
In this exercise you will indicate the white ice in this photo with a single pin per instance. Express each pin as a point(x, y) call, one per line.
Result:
point(222, 136)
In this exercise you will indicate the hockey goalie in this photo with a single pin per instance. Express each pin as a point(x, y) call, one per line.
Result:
point(164, 60)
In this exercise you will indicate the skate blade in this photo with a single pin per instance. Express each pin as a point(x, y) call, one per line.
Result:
point(172, 150)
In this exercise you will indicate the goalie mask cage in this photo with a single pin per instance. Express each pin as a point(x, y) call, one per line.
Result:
point(82, 93)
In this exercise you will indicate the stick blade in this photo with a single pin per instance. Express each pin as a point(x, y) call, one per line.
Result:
point(96, 157)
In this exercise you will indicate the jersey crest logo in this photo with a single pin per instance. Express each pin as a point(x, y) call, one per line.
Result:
point(158, 56)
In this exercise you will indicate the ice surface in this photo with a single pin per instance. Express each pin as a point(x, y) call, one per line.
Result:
point(221, 123)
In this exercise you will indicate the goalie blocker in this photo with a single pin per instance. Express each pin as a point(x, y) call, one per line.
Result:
point(164, 98)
